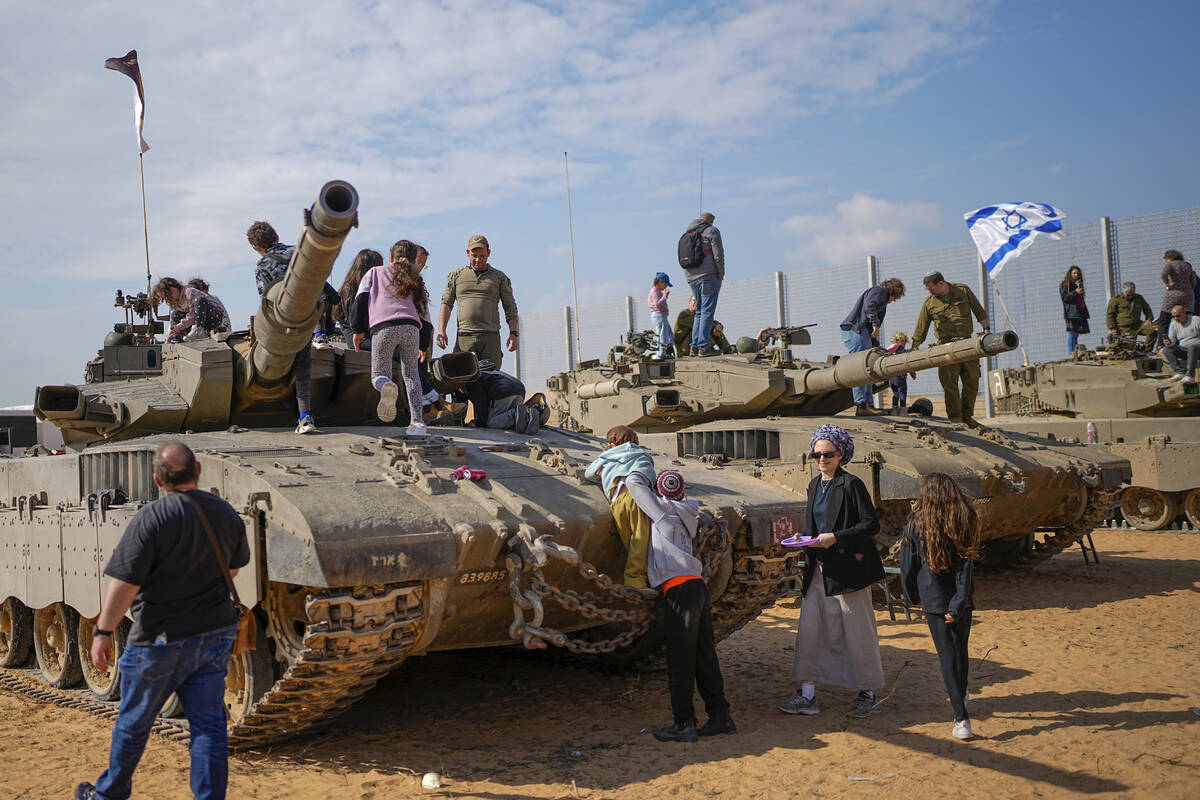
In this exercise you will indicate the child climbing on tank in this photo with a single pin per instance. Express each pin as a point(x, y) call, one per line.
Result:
point(391, 303)
point(623, 457)
point(899, 384)
point(940, 542)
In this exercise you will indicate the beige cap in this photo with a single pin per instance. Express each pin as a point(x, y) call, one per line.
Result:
point(478, 240)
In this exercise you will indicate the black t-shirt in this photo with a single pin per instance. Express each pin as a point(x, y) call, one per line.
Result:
point(166, 552)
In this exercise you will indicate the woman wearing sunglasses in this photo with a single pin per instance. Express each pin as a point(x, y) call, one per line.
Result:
point(836, 642)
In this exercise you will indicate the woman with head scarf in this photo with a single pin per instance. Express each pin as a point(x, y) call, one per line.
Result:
point(836, 642)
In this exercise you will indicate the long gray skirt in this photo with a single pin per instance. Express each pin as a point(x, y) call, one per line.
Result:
point(836, 642)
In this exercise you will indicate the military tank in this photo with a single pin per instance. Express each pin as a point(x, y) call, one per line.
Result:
point(755, 412)
point(1134, 411)
point(364, 550)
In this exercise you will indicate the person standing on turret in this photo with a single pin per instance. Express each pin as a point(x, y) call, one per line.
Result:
point(950, 306)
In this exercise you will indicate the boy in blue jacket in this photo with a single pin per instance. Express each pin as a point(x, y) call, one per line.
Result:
point(622, 457)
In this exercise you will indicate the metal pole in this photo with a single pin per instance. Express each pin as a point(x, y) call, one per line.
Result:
point(571, 236)
point(145, 226)
point(872, 279)
point(985, 297)
point(517, 362)
point(702, 186)
point(629, 313)
point(567, 325)
point(780, 316)
point(1106, 252)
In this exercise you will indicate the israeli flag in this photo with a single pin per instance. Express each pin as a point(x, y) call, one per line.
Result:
point(1003, 231)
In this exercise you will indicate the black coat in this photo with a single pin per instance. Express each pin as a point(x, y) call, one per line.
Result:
point(952, 592)
point(853, 563)
point(1070, 300)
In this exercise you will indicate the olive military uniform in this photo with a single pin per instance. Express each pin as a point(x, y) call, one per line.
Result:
point(683, 334)
point(478, 294)
point(1125, 315)
point(951, 317)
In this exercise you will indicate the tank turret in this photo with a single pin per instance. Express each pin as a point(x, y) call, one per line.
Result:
point(138, 386)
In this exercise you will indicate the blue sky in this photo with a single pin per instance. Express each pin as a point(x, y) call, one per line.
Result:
point(828, 130)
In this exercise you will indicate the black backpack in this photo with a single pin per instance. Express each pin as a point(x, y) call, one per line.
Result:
point(691, 248)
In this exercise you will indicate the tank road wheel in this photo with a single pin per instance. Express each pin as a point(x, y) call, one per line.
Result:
point(1148, 509)
point(16, 632)
point(249, 677)
point(172, 707)
point(287, 619)
point(105, 685)
point(56, 642)
point(1191, 507)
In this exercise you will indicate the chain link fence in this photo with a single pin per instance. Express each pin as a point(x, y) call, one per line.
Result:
point(1027, 287)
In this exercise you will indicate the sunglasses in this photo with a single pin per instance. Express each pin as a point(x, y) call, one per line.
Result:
point(820, 454)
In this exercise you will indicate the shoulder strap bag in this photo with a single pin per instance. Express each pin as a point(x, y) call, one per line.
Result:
point(246, 631)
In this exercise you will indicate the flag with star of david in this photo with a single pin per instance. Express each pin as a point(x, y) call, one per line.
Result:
point(1002, 231)
point(128, 65)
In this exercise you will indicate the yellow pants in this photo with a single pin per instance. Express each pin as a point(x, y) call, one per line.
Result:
point(633, 526)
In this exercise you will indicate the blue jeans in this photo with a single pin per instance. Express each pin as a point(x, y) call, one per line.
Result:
point(662, 326)
point(705, 290)
point(1072, 340)
point(194, 668)
point(856, 342)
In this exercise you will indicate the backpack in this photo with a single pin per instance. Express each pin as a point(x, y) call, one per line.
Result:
point(691, 248)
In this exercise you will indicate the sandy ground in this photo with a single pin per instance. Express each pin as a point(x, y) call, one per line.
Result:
point(1083, 681)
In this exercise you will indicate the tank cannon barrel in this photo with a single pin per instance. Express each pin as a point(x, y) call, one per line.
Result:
point(289, 311)
point(876, 365)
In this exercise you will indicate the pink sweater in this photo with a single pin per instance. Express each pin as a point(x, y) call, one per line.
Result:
point(658, 300)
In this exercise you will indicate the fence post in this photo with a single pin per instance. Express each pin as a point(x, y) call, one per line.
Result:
point(567, 325)
point(1106, 252)
point(872, 279)
point(780, 315)
point(985, 297)
point(629, 314)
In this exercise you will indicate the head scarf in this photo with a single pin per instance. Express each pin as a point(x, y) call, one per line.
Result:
point(840, 439)
point(670, 484)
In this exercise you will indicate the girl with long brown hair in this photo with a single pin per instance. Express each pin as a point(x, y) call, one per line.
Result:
point(940, 542)
point(1075, 310)
point(391, 304)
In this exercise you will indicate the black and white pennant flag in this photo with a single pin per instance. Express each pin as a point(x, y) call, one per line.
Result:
point(128, 65)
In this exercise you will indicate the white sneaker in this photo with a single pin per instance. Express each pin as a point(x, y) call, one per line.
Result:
point(320, 343)
point(1179, 376)
point(389, 392)
point(306, 425)
point(962, 730)
point(417, 429)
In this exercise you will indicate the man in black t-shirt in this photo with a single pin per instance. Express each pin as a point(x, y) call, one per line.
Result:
point(164, 571)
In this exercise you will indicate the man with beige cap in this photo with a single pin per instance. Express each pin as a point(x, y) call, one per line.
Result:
point(478, 288)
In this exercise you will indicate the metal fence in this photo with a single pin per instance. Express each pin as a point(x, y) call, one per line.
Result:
point(1028, 286)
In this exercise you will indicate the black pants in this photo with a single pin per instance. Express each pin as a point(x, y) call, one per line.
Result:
point(950, 639)
point(1164, 323)
point(692, 651)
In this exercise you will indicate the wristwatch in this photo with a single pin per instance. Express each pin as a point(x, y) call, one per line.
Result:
point(101, 632)
point(514, 333)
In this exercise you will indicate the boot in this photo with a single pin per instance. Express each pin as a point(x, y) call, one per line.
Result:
point(679, 732)
point(865, 410)
point(717, 724)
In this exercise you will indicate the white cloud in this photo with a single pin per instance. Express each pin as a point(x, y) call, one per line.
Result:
point(859, 227)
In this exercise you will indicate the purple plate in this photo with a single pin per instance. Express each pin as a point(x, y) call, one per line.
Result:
point(798, 541)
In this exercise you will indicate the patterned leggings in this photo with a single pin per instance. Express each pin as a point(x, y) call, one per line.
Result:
point(406, 340)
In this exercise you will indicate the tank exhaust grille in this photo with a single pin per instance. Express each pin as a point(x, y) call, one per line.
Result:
point(731, 444)
point(131, 471)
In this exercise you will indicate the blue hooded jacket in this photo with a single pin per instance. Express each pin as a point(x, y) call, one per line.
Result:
point(619, 461)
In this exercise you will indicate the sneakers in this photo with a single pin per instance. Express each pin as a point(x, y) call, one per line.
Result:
point(389, 392)
point(721, 723)
point(1178, 376)
point(679, 732)
point(85, 791)
point(320, 341)
point(799, 704)
point(416, 429)
point(306, 425)
point(864, 706)
point(962, 730)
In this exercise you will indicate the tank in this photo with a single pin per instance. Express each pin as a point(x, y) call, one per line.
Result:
point(755, 413)
point(364, 550)
point(1134, 411)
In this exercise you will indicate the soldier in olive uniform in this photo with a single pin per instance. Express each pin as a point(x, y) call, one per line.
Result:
point(950, 306)
point(1126, 312)
point(479, 288)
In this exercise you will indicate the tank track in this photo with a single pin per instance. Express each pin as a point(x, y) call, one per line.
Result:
point(1099, 507)
point(352, 640)
point(761, 575)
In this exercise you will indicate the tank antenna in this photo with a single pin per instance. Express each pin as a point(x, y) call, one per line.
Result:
point(145, 227)
point(702, 186)
point(1012, 325)
point(571, 238)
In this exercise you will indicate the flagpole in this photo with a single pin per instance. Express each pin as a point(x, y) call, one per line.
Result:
point(571, 238)
point(145, 226)
point(1008, 316)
